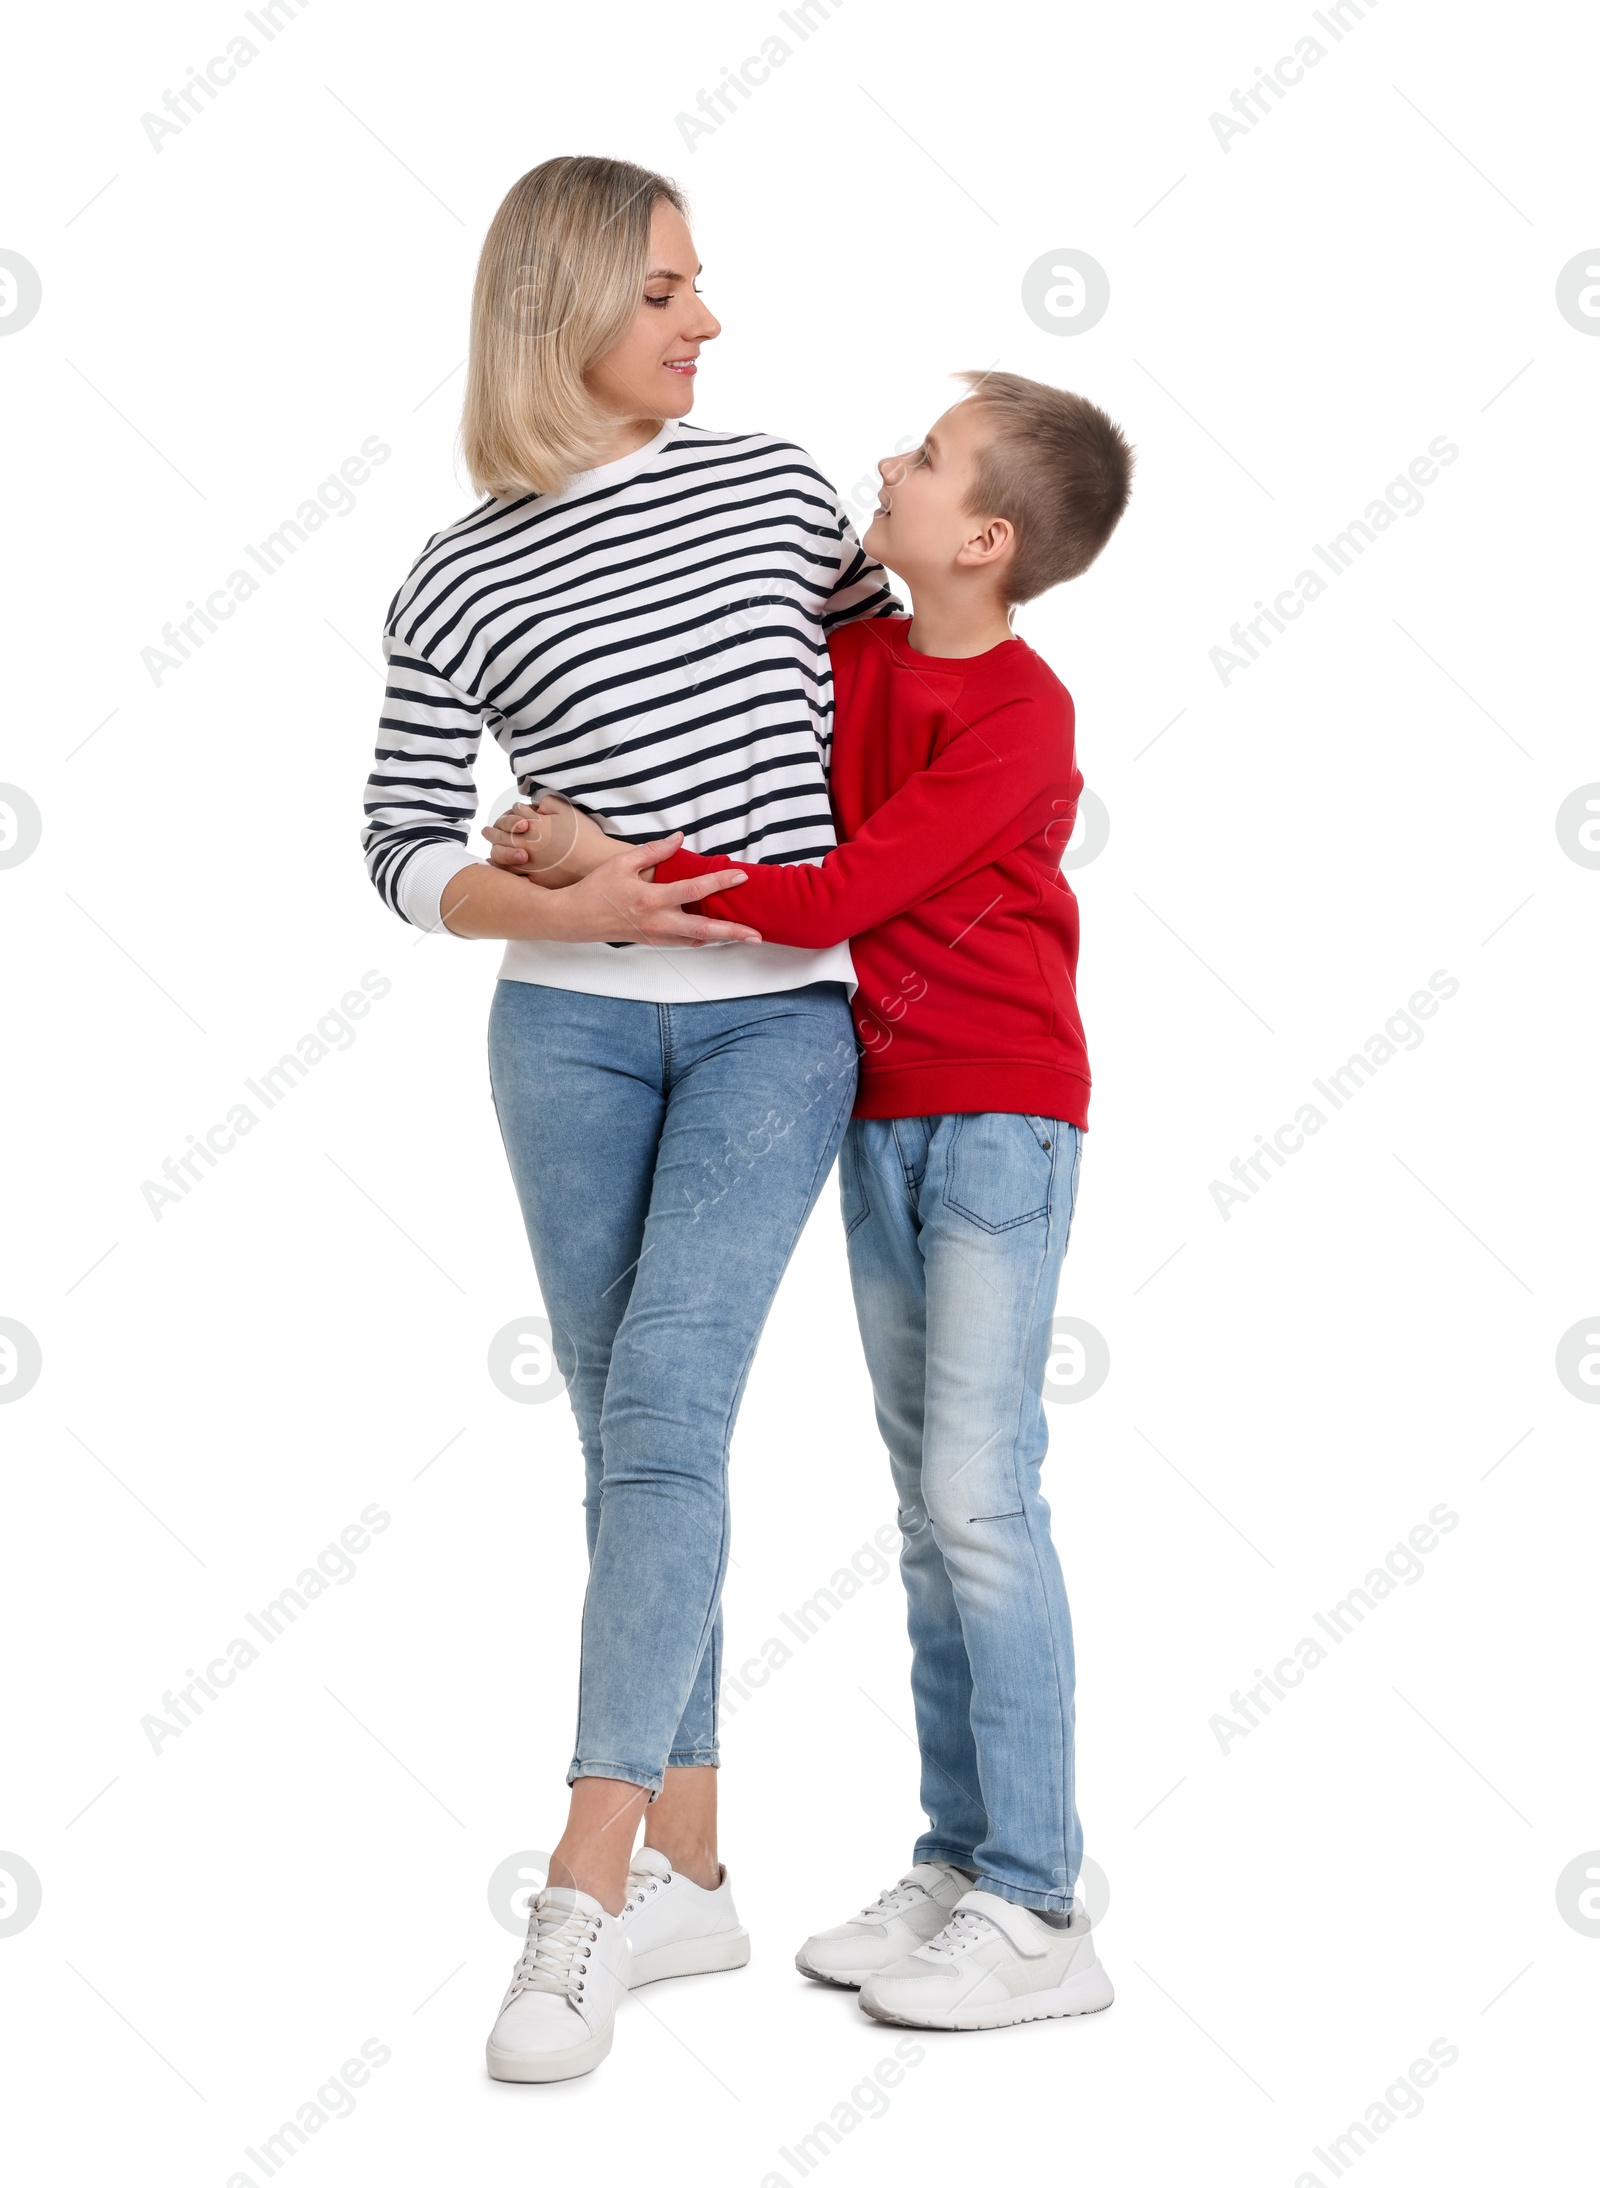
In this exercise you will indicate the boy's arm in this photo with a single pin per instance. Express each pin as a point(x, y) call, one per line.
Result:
point(1006, 779)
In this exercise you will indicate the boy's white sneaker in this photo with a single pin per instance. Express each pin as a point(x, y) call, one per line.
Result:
point(897, 1922)
point(675, 1926)
point(991, 1965)
point(556, 2019)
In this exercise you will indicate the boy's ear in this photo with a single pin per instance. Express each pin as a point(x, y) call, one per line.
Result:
point(988, 546)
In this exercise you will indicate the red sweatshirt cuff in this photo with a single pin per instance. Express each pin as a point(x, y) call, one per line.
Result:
point(687, 866)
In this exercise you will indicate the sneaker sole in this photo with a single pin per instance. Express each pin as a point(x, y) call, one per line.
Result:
point(549, 2066)
point(1090, 1992)
point(820, 1975)
point(711, 1955)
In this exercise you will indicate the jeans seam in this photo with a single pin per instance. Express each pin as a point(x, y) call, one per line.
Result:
point(1064, 1747)
point(850, 1152)
point(714, 1654)
point(664, 1025)
point(912, 1177)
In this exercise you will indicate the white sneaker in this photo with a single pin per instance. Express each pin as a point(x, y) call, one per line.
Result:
point(991, 1965)
point(556, 2019)
point(896, 1923)
point(674, 1926)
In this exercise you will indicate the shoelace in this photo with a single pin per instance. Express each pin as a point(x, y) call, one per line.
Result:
point(559, 1945)
point(959, 1932)
point(641, 1888)
point(895, 1900)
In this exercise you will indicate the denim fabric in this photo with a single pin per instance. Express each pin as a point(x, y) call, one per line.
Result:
point(666, 1156)
point(957, 1226)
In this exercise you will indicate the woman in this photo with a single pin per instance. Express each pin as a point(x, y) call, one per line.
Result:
point(638, 612)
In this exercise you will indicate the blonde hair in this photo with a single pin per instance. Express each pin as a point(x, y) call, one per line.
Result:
point(1057, 467)
point(559, 280)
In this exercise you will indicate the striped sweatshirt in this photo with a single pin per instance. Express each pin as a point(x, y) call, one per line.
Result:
point(652, 643)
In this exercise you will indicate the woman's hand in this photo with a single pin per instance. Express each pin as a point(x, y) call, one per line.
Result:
point(614, 903)
point(553, 843)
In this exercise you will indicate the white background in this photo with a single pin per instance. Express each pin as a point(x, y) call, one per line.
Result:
point(1371, 1869)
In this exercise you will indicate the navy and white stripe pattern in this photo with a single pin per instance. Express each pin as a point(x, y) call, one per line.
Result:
point(652, 642)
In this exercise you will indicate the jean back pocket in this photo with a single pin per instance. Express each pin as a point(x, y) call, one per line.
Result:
point(1000, 1168)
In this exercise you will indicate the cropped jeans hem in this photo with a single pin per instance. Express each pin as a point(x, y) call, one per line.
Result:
point(627, 1773)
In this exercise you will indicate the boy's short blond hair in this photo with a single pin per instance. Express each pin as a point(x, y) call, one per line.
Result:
point(1057, 468)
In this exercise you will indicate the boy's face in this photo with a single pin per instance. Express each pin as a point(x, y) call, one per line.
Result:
point(923, 521)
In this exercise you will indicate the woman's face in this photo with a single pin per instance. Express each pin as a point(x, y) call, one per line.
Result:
point(650, 372)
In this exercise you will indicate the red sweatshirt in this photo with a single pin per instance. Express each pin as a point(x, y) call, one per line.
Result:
point(955, 790)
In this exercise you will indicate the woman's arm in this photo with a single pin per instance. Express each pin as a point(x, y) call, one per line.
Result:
point(614, 903)
point(419, 800)
point(420, 796)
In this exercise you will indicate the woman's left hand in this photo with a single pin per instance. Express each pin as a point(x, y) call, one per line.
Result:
point(553, 842)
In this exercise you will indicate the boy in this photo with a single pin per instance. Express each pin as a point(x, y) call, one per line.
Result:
point(955, 788)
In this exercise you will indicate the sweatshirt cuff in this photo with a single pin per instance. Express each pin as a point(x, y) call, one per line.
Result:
point(689, 866)
point(428, 871)
point(685, 865)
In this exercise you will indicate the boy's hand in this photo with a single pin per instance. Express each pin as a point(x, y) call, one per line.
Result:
point(552, 843)
point(617, 902)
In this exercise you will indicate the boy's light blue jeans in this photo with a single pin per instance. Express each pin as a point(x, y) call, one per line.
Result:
point(666, 1157)
point(956, 1227)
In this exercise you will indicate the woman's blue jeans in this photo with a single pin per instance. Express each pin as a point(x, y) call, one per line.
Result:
point(956, 1227)
point(666, 1157)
